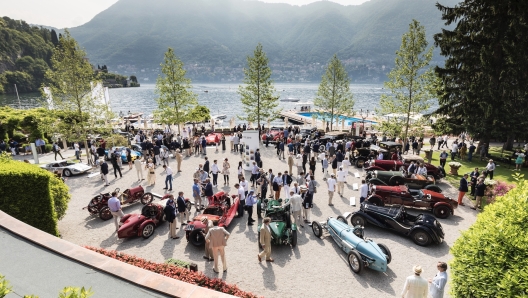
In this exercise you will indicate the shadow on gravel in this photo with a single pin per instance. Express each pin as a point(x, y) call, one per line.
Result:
point(268, 276)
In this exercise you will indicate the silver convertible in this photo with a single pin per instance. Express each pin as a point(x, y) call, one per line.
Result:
point(66, 167)
point(361, 252)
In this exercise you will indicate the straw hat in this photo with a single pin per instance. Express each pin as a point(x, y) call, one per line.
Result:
point(417, 269)
point(204, 220)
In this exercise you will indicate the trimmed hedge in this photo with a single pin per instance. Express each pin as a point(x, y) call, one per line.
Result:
point(32, 195)
point(179, 273)
point(490, 258)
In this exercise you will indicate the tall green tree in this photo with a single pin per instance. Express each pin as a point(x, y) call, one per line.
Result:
point(72, 82)
point(176, 98)
point(484, 78)
point(334, 97)
point(411, 81)
point(258, 92)
point(54, 38)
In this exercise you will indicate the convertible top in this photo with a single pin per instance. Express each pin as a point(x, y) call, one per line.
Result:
point(393, 211)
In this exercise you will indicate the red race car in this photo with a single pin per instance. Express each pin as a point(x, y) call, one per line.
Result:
point(210, 139)
point(221, 210)
point(275, 133)
point(441, 205)
point(398, 165)
point(144, 224)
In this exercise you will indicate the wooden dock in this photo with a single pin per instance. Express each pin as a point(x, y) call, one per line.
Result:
point(294, 117)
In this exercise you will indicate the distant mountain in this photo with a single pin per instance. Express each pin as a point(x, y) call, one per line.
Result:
point(214, 37)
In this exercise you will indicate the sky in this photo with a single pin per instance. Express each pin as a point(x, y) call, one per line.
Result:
point(72, 13)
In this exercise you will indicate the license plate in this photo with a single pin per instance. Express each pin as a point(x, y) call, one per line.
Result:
point(189, 228)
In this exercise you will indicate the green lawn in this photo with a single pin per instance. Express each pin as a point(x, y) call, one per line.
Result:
point(503, 172)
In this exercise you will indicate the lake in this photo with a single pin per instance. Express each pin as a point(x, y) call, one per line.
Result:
point(219, 98)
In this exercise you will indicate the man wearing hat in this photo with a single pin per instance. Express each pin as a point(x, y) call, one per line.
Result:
point(208, 249)
point(341, 179)
point(331, 188)
point(251, 200)
point(415, 286)
point(490, 167)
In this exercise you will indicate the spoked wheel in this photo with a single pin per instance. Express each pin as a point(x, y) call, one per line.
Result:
point(147, 198)
point(442, 211)
point(355, 262)
point(421, 237)
point(66, 173)
point(358, 220)
point(294, 238)
point(148, 230)
point(105, 213)
point(317, 229)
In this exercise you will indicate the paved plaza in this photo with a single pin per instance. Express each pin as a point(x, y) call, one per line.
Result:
point(315, 268)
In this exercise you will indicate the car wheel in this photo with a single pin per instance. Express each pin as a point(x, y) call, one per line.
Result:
point(147, 198)
point(197, 238)
point(355, 262)
point(148, 230)
point(66, 173)
point(358, 220)
point(386, 251)
point(188, 206)
point(342, 219)
point(442, 211)
point(258, 240)
point(434, 188)
point(421, 237)
point(294, 238)
point(360, 163)
point(105, 213)
point(317, 229)
point(377, 201)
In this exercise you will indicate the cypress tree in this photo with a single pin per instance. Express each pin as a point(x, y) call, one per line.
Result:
point(54, 38)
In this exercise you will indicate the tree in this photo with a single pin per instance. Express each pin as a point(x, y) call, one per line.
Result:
point(484, 78)
point(54, 38)
point(412, 85)
point(72, 82)
point(333, 96)
point(489, 259)
point(258, 93)
point(176, 98)
point(199, 114)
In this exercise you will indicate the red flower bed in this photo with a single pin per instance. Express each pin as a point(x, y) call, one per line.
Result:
point(172, 271)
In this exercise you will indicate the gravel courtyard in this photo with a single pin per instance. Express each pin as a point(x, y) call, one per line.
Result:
point(315, 268)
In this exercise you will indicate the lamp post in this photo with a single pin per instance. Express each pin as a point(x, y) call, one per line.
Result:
point(363, 117)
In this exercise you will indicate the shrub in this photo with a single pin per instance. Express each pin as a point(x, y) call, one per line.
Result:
point(179, 273)
point(116, 140)
point(183, 264)
point(496, 189)
point(5, 288)
point(32, 195)
point(19, 137)
point(490, 258)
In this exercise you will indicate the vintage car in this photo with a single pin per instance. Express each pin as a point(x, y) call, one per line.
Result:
point(210, 138)
point(275, 132)
point(98, 205)
point(398, 165)
point(222, 210)
point(360, 252)
point(134, 225)
point(423, 228)
point(283, 231)
point(67, 167)
point(362, 155)
point(393, 178)
point(441, 205)
point(135, 154)
point(309, 133)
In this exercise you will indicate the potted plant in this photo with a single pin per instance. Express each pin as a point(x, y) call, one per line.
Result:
point(454, 167)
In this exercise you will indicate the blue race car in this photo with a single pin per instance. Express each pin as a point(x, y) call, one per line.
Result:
point(361, 252)
point(133, 153)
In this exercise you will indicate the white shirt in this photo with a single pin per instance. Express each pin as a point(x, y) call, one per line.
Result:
point(255, 170)
point(415, 287)
point(380, 156)
point(76, 146)
point(490, 166)
point(331, 184)
point(296, 189)
point(346, 164)
point(295, 202)
point(214, 168)
point(421, 171)
point(454, 148)
point(363, 191)
point(241, 193)
point(341, 176)
point(244, 185)
point(168, 171)
point(436, 289)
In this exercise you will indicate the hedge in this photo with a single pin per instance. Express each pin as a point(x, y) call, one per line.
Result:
point(179, 273)
point(32, 195)
point(490, 258)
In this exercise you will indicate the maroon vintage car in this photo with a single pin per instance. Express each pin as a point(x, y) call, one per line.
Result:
point(143, 224)
point(441, 205)
point(221, 210)
point(210, 138)
point(398, 165)
point(98, 205)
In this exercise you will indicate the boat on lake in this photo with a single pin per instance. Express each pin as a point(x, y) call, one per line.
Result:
point(290, 99)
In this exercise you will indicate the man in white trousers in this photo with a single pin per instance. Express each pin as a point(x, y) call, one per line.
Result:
point(217, 239)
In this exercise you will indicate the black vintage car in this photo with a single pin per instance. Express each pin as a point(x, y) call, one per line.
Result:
point(423, 228)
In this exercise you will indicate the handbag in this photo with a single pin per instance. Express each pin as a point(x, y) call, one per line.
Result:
point(315, 189)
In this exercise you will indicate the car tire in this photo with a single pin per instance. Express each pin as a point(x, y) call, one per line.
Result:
point(377, 201)
point(294, 238)
point(147, 198)
point(434, 188)
point(421, 237)
point(317, 229)
point(105, 213)
point(342, 219)
point(197, 238)
point(148, 230)
point(358, 220)
point(386, 251)
point(442, 211)
point(66, 173)
point(360, 163)
point(355, 262)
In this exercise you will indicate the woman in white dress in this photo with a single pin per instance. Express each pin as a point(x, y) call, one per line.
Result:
point(151, 175)
point(225, 171)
